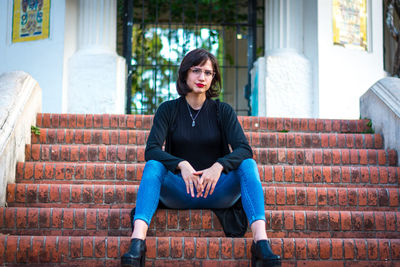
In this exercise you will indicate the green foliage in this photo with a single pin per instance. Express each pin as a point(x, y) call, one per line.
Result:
point(370, 129)
point(35, 130)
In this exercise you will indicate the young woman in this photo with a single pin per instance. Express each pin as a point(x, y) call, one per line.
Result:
point(197, 170)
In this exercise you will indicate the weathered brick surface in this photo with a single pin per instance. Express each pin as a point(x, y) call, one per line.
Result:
point(331, 197)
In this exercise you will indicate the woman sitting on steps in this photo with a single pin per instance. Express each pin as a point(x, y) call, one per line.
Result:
point(197, 170)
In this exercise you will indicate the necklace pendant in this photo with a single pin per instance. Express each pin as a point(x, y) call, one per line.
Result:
point(193, 123)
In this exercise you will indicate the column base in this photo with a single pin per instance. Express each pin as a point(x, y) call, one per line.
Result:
point(288, 85)
point(96, 83)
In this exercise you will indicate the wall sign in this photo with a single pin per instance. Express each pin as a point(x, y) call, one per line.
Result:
point(31, 20)
point(350, 23)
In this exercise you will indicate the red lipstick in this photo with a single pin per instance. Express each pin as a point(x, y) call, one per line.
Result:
point(200, 85)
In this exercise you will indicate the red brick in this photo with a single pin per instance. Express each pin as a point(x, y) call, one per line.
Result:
point(301, 249)
point(189, 248)
point(395, 245)
point(91, 221)
point(57, 218)
point(337, 249)
point(278, 172)
point(372, 246)
point(201, 248)
point(280, 196)
point(361, 248)
point(325, 248)
point(99, 247)
point(334, 221)
point(68, 218)
point(345, 218)
point(176, 247)
point(79, 218)
point(312, 249)
point(309, 156)
point(348, 249)
point(372, 197)
point(87, 247)
point(393, 197)
point(311, 196)
point(336, 156)
point(288, 249)
point(384, 249)
point(226, 248)
point(213, 248)
point(322, 196)
point(299, 220)
point(33, 218)
point(238, 248)
point(75, 243)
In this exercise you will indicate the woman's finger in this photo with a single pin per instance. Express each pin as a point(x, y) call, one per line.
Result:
point(212, 188)
point(208, 186)
point(191, 188)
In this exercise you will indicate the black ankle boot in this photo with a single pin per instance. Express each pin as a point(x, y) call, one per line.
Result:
point(136, 255)
point(262, 255)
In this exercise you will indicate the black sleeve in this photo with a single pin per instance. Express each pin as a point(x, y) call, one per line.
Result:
point(158, 133)
point(234, 134)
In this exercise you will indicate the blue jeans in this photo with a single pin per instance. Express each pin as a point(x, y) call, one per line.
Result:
point(160, 184)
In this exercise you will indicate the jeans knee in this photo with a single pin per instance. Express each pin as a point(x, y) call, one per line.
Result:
point(248, 164)
point(153, 170)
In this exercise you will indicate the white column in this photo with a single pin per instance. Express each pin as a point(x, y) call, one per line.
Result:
point(96, 74)
point(288, 72)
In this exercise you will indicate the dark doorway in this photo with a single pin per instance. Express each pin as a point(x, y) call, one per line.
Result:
point(157, 34)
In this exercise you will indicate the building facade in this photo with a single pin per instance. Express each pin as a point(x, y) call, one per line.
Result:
point(309, 68)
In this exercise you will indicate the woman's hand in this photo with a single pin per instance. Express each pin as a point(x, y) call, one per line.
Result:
point(190, 178)
point(209, 178)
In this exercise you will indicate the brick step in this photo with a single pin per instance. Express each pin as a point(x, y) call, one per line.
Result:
point(133, 153)
point(256, 139)
point(106, 251)
point(107, 121)
point(124, 173)
point(276, 197)
point(196, 223)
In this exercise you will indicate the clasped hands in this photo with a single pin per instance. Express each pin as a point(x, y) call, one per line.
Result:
point(204, 181)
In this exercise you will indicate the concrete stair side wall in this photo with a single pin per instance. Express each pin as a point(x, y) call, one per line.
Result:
point(381, 104)
point(21, 100)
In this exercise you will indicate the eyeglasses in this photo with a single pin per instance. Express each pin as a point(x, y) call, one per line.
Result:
point(207, 73)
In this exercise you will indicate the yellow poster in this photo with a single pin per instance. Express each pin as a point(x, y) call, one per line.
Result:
point(31, 20)
point(350, 23)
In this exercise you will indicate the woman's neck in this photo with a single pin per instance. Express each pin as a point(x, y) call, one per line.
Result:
point(196, 101)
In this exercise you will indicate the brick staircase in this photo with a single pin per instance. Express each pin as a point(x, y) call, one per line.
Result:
point(331, 195)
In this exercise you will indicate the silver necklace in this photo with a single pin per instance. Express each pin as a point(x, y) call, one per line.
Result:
point(191, 116)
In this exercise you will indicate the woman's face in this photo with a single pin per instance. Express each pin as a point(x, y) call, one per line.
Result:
point(199, 78)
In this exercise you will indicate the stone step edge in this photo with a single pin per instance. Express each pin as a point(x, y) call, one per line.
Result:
point(257, 139)
point(65, 194)
point(114, 219)
point(17, 249)
point(248, 123)
point(91, 171)
point(299, 156)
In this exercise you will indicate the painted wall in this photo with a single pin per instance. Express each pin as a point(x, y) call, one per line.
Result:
point(345, 74)
point(42, 59)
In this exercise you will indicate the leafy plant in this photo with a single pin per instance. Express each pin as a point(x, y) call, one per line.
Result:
point(35, 130)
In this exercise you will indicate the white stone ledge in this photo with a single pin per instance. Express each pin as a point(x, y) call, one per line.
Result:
point(20, 101)
point(381, 104)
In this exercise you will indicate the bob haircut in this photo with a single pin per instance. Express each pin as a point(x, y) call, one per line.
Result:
point(198, 57)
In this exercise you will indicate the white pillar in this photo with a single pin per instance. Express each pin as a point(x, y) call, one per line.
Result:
point(288, 72)
point(96, 74)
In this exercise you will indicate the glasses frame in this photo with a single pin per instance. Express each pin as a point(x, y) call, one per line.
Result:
point(195, 69)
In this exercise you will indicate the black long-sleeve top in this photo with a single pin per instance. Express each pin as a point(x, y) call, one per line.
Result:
point(168, 126)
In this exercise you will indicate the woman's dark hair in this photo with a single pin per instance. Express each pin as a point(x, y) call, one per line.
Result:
point(198, 57)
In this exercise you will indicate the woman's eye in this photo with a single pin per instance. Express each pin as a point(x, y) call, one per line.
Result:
point(196, 71)
point(208, 73)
